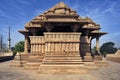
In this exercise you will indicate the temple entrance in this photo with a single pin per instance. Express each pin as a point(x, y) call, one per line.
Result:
point(62, 29)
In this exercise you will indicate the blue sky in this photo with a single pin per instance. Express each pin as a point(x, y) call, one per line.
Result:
point(16, 13)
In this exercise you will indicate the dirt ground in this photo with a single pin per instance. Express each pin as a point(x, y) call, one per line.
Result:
point(112, 72)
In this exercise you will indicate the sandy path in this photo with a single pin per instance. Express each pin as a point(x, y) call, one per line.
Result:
point(112, 72)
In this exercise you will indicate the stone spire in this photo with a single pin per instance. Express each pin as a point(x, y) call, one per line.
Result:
point(9, 39)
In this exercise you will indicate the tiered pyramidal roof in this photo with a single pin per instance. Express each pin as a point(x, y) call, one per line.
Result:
point(58, 13)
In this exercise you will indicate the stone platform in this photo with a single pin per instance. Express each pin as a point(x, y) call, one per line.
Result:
point(111, 72)
point(52, 63)
point(20, 59)
point(62, 64)
point(34, 61)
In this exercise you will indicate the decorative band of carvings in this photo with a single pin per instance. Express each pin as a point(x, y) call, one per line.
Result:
point(63, 41)
point(38, 52)
point(61, 52)
point(38, 43)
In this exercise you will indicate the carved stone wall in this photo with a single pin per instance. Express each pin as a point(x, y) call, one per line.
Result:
point(56, 43)
point(61, 43)
point(37, 44)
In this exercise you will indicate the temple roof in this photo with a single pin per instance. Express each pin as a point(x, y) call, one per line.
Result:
point(23, 31)
point(58, 13)
point(60, 8)
point(97, 33)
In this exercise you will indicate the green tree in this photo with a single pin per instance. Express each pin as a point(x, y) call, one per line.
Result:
point(19, 47)
point(108, 48)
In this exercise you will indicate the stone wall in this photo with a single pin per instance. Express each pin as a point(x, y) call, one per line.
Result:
point(37, 44)
point(56, 43)
point(62, 43)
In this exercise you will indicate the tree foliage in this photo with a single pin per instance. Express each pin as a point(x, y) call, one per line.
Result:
point(108, 48)
point(19, 47)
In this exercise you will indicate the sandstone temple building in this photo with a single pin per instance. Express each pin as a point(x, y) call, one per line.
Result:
point(59, 41)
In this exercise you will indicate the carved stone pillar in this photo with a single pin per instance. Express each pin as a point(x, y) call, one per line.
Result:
point(87, 56)
point(97, 44)
point(26, 44)
point(99, 56)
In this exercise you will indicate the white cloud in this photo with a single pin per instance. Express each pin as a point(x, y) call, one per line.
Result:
point(111, 8)
point(94, 9)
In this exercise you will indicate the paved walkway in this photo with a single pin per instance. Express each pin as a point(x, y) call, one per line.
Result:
point(112, 72)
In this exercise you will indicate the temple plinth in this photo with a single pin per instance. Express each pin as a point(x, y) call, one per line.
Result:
point(59, 41)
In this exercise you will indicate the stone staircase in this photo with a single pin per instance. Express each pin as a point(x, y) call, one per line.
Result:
point(62, 64)
point(56, 63)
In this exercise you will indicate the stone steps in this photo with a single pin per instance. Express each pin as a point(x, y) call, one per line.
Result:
point(18, 63)
point(101, 63)
point(59, 60)
point(32, 66)
point(64, 63)
point(90, 65)
point(62, 58)
point(62, 69)
point(62, 55)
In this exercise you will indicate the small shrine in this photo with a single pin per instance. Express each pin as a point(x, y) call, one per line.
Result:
point(59, 41)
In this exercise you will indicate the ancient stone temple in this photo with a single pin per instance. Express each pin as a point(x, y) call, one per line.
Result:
point(59, 41)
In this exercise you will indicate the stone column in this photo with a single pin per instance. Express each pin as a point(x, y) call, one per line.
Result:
point(26, 44)
point(97, 44)
point(87, 57)
point(99, 56)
